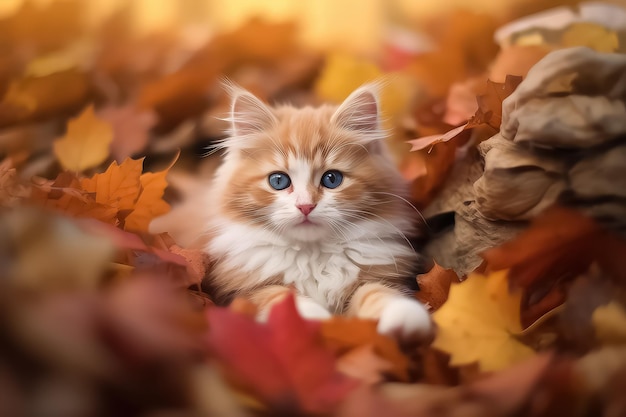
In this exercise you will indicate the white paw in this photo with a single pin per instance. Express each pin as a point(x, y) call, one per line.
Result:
point(405, 319)
point(310, 310)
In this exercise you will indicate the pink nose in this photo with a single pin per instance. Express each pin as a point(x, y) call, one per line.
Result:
point(305, 208)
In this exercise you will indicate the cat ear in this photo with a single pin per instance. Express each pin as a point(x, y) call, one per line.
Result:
point(360, 112)
point(248, 114)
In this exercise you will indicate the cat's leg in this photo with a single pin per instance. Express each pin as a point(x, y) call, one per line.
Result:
point(398, 315)
point(265, 298)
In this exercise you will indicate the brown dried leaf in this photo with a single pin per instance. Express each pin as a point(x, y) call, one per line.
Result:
point(490, 103)
point(435, 285)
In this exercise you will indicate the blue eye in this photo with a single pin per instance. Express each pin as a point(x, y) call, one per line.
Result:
point(279, 180)
point(332, 179)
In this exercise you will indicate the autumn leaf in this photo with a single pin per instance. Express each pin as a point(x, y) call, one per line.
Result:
point(73, 56)
point(508, 391)
point(490, 103)
point(342, 74)
point(516, 60)
point(283, 363)
point(131, 128)
point(66, 195)
point(342, 335)
point(153, 318)
point(478, 323)
point(118, 186)
point(560, 244)
point(32, 98)
point(609, 322)
point(43, 26)
point(50, 252)
point(11, 191)
point(141, 253)
point(592, 35)
point(489, 112)
point(435, 286)
point(150, 203)
point(86, 143)
point(437, 162)
point(364, 364)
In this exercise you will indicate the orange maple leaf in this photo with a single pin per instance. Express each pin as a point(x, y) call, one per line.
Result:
point(150, 203)
point(118, 186)
point(343, 335)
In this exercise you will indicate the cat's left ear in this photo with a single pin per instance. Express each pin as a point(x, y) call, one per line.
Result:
point(248, 114)
point(360, 112)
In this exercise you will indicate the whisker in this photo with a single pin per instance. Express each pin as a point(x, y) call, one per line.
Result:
point(419, 213)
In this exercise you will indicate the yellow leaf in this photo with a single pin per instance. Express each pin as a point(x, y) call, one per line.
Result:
point(118, 186)
point(610, 323)
point(150, 203)
point(478, 323)
point(591, 35)
point(75, 55)
point(342, 74)
point(86, 143)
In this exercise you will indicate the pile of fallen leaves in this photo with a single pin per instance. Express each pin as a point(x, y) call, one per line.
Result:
point(101, 311)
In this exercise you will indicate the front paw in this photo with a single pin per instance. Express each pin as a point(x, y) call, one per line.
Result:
point(311, 310)
point(406, 320)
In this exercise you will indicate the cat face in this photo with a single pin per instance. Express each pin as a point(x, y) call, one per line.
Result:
point(309, 174)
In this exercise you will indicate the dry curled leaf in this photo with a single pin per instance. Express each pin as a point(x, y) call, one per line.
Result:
point(435, 286)
point(489, 112)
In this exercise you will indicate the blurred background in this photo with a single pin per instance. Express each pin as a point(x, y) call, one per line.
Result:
point(152, 69)
point(354, 24)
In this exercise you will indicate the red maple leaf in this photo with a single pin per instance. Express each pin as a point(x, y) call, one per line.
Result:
point(284, 363)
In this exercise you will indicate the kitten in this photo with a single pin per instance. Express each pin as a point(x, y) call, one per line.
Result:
point(308, 200)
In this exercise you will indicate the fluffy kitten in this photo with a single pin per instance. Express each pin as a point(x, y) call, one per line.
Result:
point(308, 200)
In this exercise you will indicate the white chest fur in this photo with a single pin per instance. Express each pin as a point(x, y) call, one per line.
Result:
point(320, 270)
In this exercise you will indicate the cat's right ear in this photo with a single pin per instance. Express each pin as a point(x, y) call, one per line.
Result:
point(248, 114)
